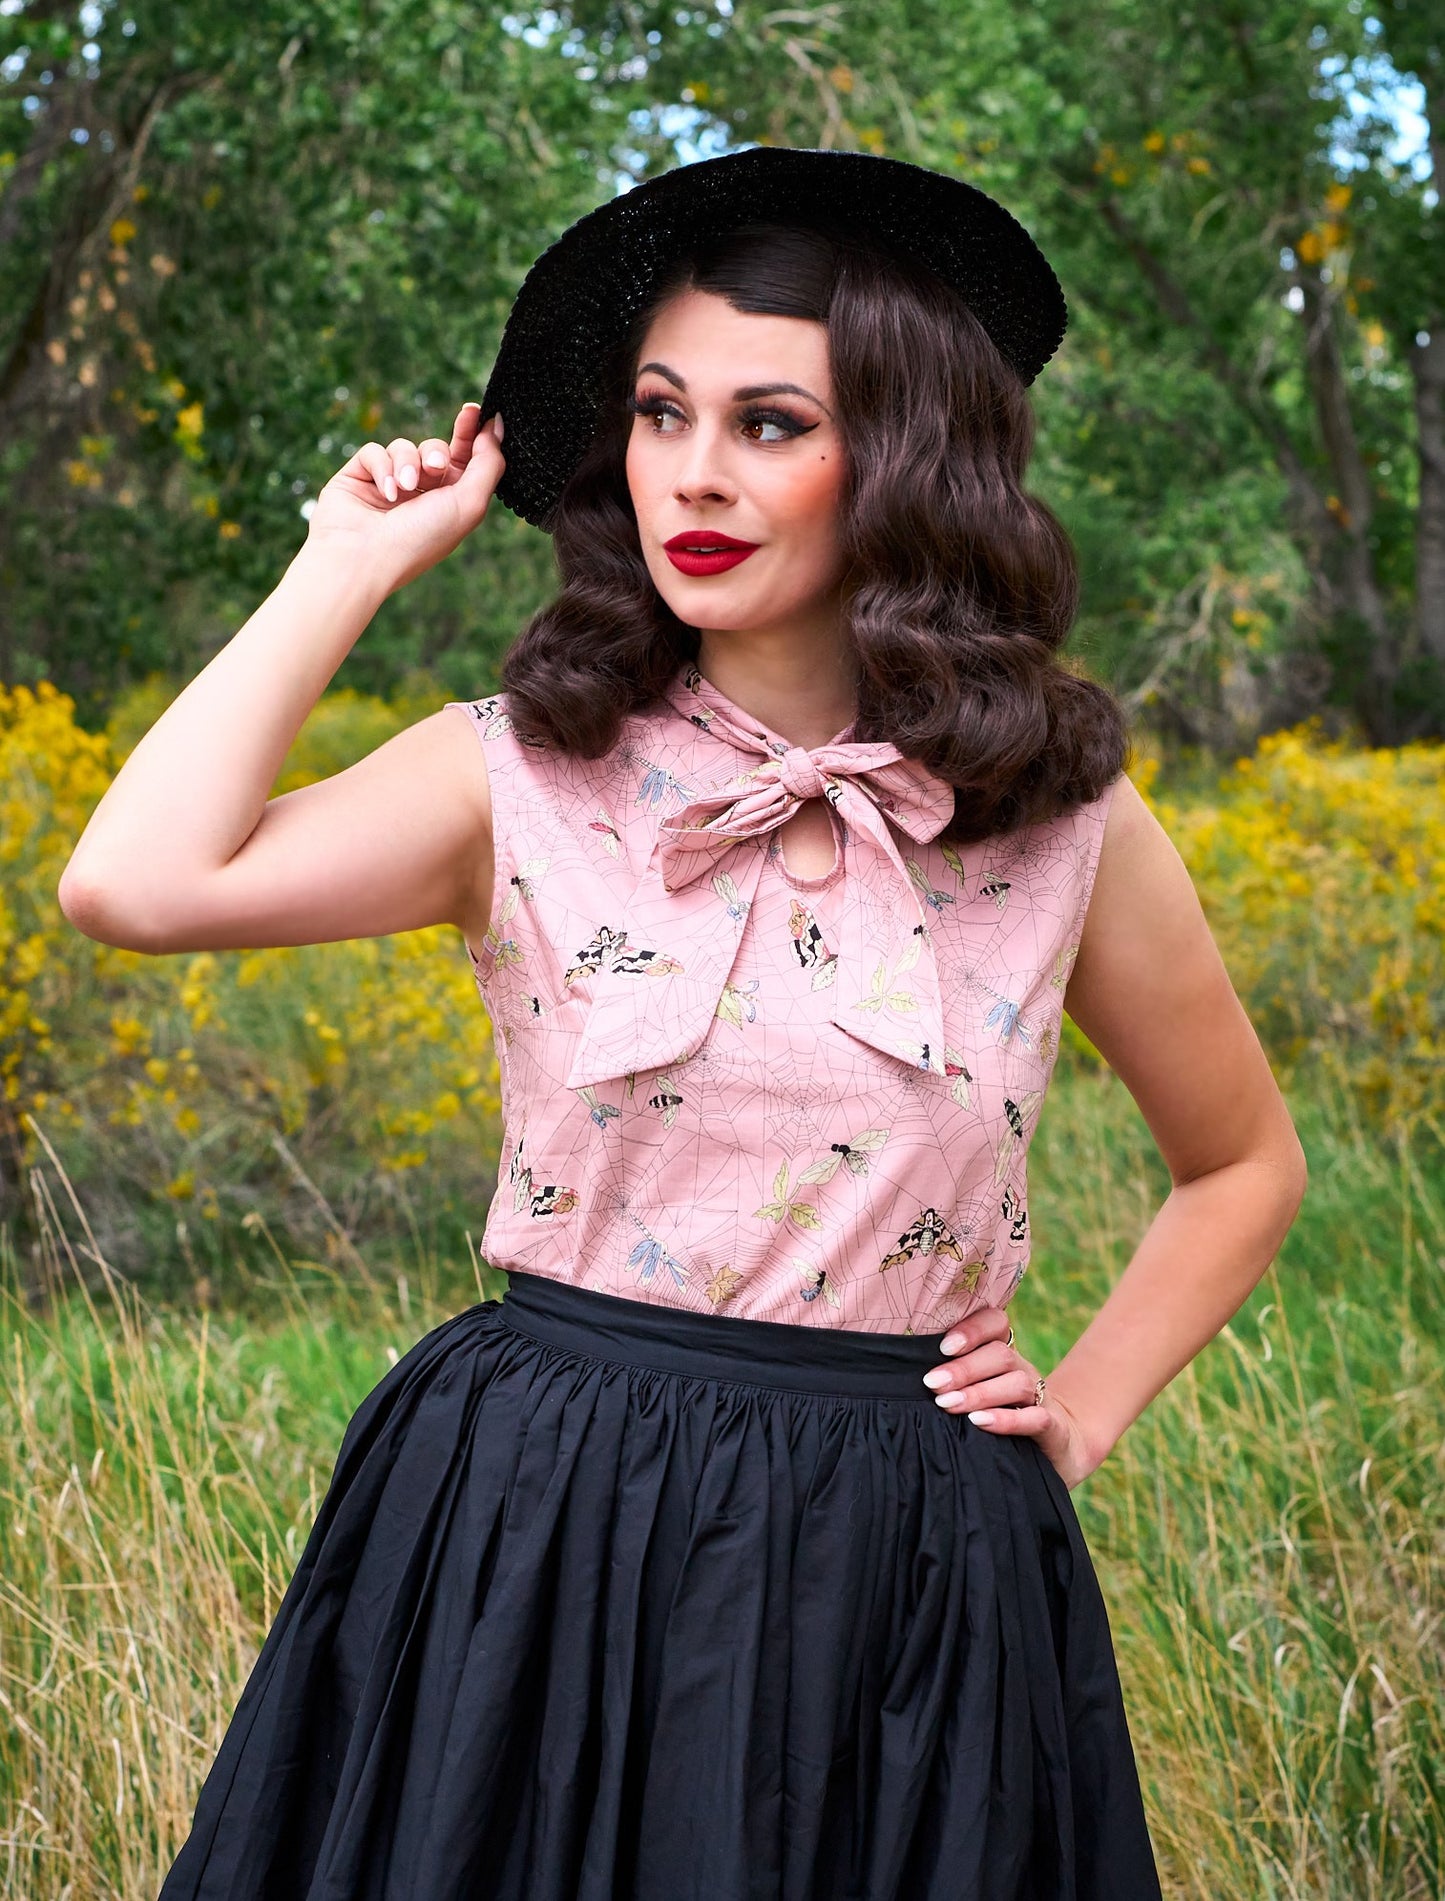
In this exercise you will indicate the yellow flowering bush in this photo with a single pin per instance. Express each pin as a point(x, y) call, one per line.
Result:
point(307, 1083)
point(350, 1085)
point(1321, 867)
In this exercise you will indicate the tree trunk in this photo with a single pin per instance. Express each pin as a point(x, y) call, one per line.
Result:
point(1356, 584)
point(1427, 360)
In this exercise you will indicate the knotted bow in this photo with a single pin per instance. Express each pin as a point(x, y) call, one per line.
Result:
point(654, 1001)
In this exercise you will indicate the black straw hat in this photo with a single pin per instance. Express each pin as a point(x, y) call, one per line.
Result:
point(578, 300)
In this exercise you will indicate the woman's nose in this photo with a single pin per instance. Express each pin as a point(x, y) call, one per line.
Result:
point(703, 476)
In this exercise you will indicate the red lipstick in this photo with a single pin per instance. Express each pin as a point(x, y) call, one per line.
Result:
point(704, 551)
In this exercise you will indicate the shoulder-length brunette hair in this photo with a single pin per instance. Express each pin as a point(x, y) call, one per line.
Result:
point(960, 587)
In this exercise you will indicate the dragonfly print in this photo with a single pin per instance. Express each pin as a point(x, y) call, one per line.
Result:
point(649, 1255)
point(658, 784)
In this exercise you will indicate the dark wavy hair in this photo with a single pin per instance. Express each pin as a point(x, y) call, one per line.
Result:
point(960, 587)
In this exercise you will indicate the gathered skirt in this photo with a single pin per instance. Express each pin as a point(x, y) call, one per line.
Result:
point(608, 1601)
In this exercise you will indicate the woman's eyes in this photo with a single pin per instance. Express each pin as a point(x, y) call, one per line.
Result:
point(757, 425)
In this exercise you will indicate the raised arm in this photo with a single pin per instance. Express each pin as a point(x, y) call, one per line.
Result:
point(185, 851)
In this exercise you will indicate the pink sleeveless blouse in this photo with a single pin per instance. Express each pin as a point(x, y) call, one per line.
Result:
point(734, 1090)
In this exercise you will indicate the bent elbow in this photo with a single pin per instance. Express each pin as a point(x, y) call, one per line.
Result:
point(93, 911)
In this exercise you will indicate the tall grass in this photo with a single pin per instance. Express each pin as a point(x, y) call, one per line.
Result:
point(1270, 1536)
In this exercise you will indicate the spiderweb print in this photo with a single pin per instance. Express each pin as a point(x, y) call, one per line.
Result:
point(770, 1170)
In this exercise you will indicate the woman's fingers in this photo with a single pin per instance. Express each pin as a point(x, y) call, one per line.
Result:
point(377, 463)
point(993, 1356)
point(1015, 1387)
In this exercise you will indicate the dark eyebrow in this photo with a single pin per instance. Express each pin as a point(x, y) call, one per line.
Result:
point(748, 395)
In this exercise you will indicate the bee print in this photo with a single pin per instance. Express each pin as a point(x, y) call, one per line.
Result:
point(606, 827)
point(649, 1255)
point(1016, 1114)
point(815, 1282)
point(723, 1285)
point(490, 717)
point(725, 888)
point(600, 1112)
point(523, 882)
point(998, 890)
point(929, 1234)
point(812, 953)
point(736, 1002)
point(785, 1206)
point(1005, 1018)
point(853, 1156)
point(702, 720)
point(608, 951)
point(924, 886)
point(657, 784)
point(1014, 1211)
point(667, 1100)
point(961, 1086)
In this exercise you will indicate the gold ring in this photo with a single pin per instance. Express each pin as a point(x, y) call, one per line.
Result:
point(1038, 1392)
point(1009, 1342)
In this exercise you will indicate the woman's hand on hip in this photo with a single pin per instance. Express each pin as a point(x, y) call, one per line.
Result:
point(400, 509)
point(990, 1381)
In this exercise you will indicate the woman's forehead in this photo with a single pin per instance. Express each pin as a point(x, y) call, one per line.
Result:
point(705, 341)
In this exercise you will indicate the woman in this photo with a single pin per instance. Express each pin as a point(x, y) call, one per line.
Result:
point(732, 1554)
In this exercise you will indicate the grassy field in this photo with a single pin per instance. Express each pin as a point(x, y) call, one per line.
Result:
point(1269, 1535)
point(248, 1182)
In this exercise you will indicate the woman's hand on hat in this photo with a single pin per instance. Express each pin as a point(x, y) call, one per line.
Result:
point(992, 1384)
point(403, 507)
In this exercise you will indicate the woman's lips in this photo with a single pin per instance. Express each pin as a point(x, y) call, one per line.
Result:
point(698, 552)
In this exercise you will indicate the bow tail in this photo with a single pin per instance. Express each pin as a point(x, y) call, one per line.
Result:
point(889, 992)
point(655, 1003)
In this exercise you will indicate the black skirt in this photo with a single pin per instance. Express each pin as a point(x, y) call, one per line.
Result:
point(612, 1602)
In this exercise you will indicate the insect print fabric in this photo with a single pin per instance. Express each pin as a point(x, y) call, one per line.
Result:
point(734, 1090)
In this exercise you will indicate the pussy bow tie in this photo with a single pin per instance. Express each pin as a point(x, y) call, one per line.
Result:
point(654, 1002)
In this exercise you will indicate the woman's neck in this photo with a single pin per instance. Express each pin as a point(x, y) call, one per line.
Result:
point(799, 681)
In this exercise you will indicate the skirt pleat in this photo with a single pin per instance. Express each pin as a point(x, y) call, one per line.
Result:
point(581, 1620)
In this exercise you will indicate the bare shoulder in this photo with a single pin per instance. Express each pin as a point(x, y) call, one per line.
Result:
point(1150, 990)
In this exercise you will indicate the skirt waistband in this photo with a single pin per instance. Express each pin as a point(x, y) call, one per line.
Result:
point(773, 1353)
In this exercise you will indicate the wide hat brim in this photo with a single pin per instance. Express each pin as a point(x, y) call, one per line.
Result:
point(578, 300)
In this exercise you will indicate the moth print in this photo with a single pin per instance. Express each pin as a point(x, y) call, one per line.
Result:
point(930, 1234)
point(961, 1083)
point(953, 861)
point(815, 1282)
point(491, 717)
point(786, 1206)
point(736, 1004)
point(925, 887)
point(608, 950)
point(854, 1156)
point(808, 946)
point(1015, 1212)
point(723, 1285)
point(601, 1112)
point(725, 888)
point(1016, 1114)
point(606, 828)
point(667, 1100)
point(649, 1255)
point(550, 1199)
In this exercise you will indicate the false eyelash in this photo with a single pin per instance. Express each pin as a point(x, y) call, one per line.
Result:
point(660, 406)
